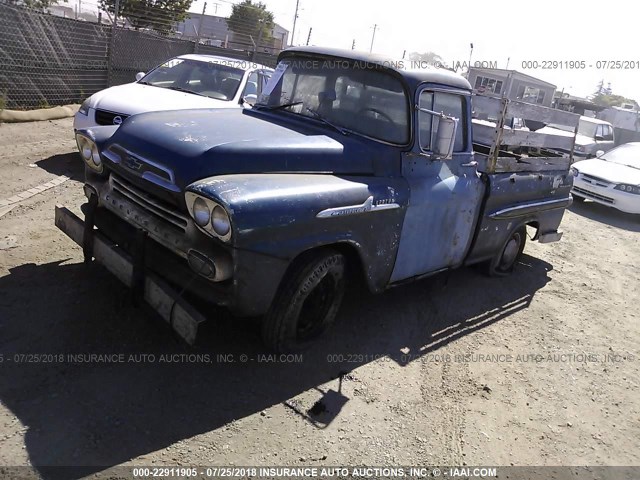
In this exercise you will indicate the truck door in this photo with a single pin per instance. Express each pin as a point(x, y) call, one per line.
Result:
point(445, 195)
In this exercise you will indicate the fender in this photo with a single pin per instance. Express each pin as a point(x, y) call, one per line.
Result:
point(99, 134)
point(284, 215)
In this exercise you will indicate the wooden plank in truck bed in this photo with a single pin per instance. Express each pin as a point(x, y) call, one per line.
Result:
point(491, 107)
point(522, 138)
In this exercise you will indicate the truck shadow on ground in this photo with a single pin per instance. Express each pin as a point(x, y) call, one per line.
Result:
point(607, 215)
point(68, 164)
point(99, 413)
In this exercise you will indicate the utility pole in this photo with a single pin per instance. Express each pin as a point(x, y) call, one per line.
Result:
point(373, 37)
point(199, 32)
point(353, 44)
point(309, 36)
point(114, 26)
point(215, 12)
point(508, 59)
point(295, 19)
point(257, 44)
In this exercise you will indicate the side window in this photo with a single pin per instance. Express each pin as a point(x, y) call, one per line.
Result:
point(608, 132)
point(599, 131)
point(448, 103)
point(251, 88)
point(264, 79)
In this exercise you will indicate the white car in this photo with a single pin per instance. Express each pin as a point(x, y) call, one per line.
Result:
point(612, 179)
point(593, 136)
point(184, 82)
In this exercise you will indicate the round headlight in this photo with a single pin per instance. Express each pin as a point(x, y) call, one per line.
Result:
point(201, 213)
point(85, 150)
point(220, 221)
point(95, 156)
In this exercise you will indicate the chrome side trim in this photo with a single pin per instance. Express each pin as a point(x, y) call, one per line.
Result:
point(367, 206)
point(513, 211)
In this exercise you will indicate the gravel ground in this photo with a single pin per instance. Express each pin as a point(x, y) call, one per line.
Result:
point(541, 368)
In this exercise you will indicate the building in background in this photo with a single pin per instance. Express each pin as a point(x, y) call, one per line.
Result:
point(511, 84)
point(216, 32)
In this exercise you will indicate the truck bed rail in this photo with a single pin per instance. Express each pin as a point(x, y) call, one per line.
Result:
point(498, 109)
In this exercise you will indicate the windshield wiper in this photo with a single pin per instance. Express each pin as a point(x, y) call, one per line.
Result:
point(264, 106)
point(326, 122)
point(180, 89)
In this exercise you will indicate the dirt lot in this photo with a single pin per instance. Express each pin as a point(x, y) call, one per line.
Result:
point(541, 368)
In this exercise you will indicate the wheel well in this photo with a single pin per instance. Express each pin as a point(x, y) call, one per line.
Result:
point(355, 267)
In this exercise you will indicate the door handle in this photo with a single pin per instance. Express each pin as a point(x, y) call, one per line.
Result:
point(472, 163)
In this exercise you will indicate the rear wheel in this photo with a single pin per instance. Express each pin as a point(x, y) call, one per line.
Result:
point(307, 302)
point(503, 263)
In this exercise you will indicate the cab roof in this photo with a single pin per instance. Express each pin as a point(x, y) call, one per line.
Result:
point(404, 68)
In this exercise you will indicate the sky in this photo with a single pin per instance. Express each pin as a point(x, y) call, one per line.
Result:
point(544, 31)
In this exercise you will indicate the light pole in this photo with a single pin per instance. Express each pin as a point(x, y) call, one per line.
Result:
point(295, 19)
point(373, 37)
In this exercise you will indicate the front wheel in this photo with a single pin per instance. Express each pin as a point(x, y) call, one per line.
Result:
point(503, 263)
point(307, 302)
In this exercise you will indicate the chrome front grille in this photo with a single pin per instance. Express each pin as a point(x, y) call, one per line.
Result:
point(595, 180)
point(149, 203)
point(597, 196)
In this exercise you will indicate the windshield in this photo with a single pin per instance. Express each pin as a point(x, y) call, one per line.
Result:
point(209, 79)
point(588, 129)
point(360, 99)
point(626, 154)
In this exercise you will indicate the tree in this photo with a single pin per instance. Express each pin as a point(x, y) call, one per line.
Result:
point(605, 97)
point(248, 18)
point(430, 58)
point(160, 15)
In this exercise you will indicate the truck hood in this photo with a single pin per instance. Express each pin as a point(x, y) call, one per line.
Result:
point(609, 171)
point(196, 144)
point(134, 98)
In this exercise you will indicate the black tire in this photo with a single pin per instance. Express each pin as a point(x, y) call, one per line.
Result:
point(503, 263)
point(307, 302)
point(577, 198)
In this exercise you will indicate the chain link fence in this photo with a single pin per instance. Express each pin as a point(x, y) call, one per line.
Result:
point(63, 54)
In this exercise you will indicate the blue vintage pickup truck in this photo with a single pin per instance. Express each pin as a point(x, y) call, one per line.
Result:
point(350, 165)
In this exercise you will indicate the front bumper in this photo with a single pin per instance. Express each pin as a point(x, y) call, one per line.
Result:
point(167, 302)
point(604, 193)
point(244, 281)
point(167, 226)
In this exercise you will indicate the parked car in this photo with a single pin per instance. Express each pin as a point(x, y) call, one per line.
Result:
point(593, 136)
point(350, 166)
point(184, 82)
point(612, 179)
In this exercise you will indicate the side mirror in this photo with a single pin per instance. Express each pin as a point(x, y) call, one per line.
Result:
point(599, 153)
point(445, 137)
point(139, 76)
point(251, 99)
